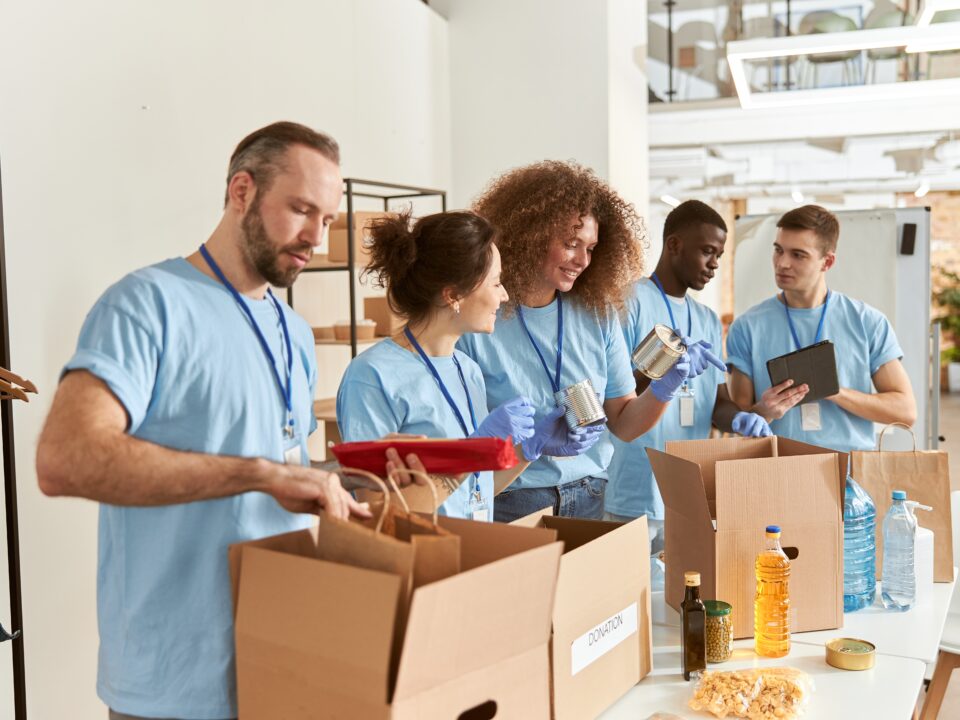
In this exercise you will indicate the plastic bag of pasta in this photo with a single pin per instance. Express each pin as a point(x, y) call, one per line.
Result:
point(756, 693)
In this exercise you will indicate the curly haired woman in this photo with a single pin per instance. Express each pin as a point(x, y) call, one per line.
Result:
point(571, 249)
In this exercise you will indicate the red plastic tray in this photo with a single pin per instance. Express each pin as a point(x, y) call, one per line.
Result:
point(440, 457)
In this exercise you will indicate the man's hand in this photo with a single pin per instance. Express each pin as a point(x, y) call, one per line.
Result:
point(302, 489)
point(777, 400)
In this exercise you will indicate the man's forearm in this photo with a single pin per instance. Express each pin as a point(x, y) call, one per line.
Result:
point(724, 410)
point(883, 407)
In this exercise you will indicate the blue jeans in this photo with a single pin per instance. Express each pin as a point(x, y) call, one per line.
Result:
point(581, 498)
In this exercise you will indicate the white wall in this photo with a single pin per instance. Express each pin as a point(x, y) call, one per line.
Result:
point(116, 123)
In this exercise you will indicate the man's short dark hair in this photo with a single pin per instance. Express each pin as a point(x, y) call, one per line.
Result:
point(261, 152)
point(813, 217)
point(690, 213)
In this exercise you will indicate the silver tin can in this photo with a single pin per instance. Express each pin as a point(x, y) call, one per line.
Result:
point(658, 352)
point(582, 405)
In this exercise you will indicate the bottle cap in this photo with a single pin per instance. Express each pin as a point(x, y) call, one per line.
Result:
point(717, 607)
point(691, 578)
point(899, 495)
point(773, 529)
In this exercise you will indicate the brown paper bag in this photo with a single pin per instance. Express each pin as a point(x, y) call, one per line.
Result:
point(924, 475)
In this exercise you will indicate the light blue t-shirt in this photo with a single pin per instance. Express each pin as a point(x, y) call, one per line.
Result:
point(181, 357)
point(863, 341)
point(593, 348)
point(632, 490)
point(388, 389)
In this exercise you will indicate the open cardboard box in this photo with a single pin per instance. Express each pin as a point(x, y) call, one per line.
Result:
point(719, 495)
point(319, 639)
point(602, 636)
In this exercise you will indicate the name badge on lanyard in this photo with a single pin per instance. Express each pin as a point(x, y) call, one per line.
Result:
point(809, 412)
point(686, 397)
point(292, 453)
point(479, 509)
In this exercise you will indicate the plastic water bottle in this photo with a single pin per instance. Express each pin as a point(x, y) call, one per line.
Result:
point(859, 547)
point(771, 605)
point(899, 584)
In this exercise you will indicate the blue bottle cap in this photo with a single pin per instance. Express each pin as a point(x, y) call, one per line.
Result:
point(773, 528)
point(899, 495)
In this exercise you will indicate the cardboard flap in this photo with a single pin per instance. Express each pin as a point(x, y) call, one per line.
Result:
point(478, 618)
point(795, 447)
point(290, 619)
point(298, 542)
point(785, 491)
point(483, 543)
point(681, 486)
point(576, 532)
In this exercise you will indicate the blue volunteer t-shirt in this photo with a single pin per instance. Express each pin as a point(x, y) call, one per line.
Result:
point(863, 342)
point(632, 490)
point(388, 389)
point(178, 353)
point(593, 348)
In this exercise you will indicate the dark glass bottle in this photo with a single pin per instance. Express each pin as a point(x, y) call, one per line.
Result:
point(693, 651)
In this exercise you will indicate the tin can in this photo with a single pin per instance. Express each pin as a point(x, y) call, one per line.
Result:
point(658, 352)
point(582, 404)
point(851, 653)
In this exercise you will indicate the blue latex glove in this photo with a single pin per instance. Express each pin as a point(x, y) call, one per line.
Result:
point(551, 436)
point(513, 419)
point(699, 357)
point(666, 387)
point(750, 424)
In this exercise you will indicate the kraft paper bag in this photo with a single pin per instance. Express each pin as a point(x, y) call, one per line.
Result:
point(925, 476)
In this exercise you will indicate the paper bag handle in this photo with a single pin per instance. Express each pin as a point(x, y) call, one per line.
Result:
point(433, 488)
point(905, 427)
point(396, 489)
point(380, 485)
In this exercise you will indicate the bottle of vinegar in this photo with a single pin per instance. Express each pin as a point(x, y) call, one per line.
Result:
point(693, 615)
point(771, 606)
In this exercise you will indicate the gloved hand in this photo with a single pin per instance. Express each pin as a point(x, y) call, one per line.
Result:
point(551, 436)
point(750, 424)
point(666, 387)
point(699, 357)
point(513, 419)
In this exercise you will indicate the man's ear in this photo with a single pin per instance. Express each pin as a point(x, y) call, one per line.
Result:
point(828, 260)
point(241, 192)
point(673, 244)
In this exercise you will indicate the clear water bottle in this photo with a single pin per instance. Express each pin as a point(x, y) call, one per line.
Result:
point(859, 547)
point(899, 584)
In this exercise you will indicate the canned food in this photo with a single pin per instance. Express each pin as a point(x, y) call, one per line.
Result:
point(719, 631)
point(582, 404)
point(851, 654)
point(658, 352)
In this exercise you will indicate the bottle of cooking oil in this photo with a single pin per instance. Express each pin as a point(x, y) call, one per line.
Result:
point(771, 607)
point(693, 651)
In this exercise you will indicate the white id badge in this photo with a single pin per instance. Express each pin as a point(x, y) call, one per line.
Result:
point(478, 508)
point(686, 408)
point(810, 415)
point(293, 455)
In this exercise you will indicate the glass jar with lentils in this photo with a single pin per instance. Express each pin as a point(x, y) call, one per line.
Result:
point(719, 631)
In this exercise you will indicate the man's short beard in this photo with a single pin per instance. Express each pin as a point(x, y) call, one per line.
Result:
point(261, 251)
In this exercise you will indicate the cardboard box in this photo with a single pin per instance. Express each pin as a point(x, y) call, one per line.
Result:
point(602, 636)
point(719, 495)
point(339, 233)
point(378, 310)
point(318, 639)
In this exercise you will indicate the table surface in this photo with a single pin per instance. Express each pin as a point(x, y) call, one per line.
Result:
point(905, 643)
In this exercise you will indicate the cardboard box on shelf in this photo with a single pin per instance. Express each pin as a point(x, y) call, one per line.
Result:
point(378, 310)
point(602, 636)
point(338, 235)
point(322, 639)
point(719, 495)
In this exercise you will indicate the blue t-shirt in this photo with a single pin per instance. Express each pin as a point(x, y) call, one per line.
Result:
point(388, 389)
point(863, 342)
point(633, 490)
point(178, 353)
point(593, 348)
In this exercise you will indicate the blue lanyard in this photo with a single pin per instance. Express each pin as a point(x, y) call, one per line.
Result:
point(793, 330)
point(673, 323)
point(554, 381)
point(443, 387)
point(287, 392)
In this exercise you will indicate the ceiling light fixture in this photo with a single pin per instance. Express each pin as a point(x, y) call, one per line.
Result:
point(923, 189)
point(797, 195)
point(943, 36)
point(669, 200)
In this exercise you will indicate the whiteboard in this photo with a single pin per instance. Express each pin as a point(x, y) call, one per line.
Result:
point(871, 268)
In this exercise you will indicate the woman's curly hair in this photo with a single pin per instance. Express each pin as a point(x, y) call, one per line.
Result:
point(531, 206)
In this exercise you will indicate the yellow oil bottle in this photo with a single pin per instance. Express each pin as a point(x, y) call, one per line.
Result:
point(771, 605)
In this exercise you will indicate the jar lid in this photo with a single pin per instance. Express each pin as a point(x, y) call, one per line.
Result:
point(851, 654)
point(717, 607)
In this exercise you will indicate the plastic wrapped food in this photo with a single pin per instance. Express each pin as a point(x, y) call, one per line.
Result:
point(757, 693)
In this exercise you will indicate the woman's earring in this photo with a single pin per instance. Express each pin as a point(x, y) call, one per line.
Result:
point(456, 306)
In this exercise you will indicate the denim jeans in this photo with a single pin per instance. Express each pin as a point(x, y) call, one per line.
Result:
point(581, 498)
point(120, 716)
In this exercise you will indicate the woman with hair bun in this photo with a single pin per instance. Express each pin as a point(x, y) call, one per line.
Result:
point(571, 249)
point(442, 274)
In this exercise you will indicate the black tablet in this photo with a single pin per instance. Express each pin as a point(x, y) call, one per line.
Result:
point(814, 365)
